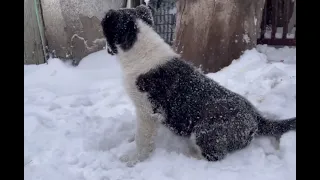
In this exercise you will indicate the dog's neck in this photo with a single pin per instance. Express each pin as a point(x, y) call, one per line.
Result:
point(148, 51)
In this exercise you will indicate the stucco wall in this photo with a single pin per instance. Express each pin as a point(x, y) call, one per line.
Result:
point(72, 27)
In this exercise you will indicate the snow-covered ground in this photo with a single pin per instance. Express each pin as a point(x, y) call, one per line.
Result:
point(77, 122)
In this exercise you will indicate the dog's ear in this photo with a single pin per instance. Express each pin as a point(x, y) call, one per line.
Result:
point(127, 31)
point(144, 13)
point(110, 21)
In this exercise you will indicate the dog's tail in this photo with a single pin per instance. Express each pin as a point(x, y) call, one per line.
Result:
point(275, 128)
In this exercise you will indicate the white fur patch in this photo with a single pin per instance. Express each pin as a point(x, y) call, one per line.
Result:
point(195, 149)
point(147, 53)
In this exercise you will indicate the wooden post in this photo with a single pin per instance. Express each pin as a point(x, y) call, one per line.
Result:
point(34, 42)
point(275, 5)
point(292, 20)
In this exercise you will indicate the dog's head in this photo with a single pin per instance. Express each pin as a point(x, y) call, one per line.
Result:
point(120, 27)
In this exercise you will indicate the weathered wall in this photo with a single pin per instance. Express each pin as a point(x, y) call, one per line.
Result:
point(33, 52)
point(212, 33)
point(72, 27)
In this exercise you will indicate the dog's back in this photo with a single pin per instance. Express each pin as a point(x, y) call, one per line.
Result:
point(194, 105)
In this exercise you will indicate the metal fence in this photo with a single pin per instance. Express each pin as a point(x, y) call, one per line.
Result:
point(165, 20)
point(278, 23)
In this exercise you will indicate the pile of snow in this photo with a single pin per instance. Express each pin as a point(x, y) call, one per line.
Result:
point(78, 121)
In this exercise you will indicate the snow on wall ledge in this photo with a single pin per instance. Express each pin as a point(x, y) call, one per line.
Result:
point(77, 122)
point(72, 27)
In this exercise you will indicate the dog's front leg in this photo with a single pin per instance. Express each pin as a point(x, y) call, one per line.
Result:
point(144, 138)
point(145, 132)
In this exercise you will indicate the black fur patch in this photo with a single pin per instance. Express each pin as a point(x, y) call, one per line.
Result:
point(145, 13)
point(221, 120)
point(120, 28)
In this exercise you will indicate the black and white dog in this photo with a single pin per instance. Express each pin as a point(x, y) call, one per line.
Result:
point(167, 90)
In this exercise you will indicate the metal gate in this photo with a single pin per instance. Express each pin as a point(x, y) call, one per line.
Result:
point(278, 26)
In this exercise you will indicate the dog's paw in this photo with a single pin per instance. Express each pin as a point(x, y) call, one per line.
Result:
point(133, 158)
point(130, 159)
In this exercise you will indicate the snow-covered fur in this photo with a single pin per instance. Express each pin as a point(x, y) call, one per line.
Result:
point(167, 90)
